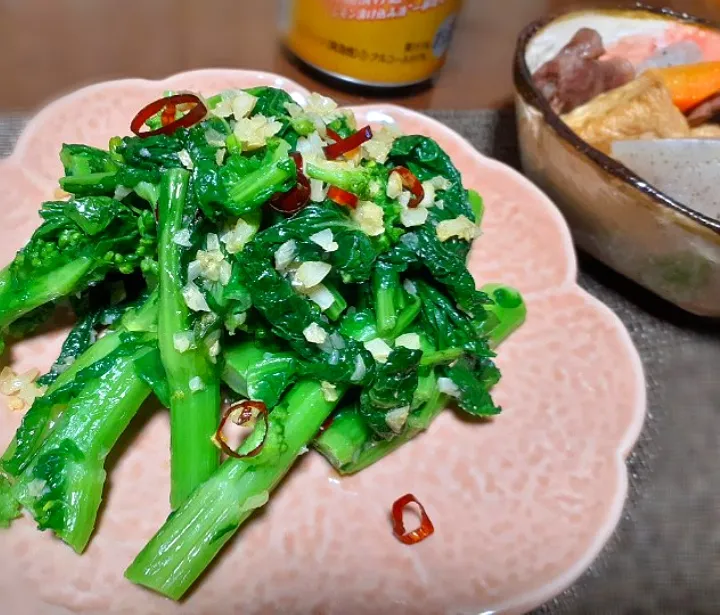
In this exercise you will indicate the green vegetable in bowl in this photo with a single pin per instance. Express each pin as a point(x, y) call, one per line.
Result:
point(311, 275)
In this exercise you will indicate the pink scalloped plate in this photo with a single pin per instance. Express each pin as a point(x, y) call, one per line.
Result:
point(521, 505)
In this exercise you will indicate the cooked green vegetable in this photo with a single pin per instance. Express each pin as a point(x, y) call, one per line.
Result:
point(195, 533)
point(193, 378)
point(244, 270)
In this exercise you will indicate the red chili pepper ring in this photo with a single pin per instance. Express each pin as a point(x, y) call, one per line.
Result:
point(410, 538)
point(166, 107)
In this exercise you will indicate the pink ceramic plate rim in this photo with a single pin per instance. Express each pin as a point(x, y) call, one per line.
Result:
point(566, 285)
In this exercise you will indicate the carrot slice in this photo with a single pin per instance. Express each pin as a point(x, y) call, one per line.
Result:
point(691, 84)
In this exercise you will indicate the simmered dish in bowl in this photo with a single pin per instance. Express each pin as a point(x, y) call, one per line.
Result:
point(608, 102)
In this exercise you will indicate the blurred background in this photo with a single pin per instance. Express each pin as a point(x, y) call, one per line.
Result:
point(50, 48)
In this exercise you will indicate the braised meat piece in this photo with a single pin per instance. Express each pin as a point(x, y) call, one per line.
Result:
point(577, 74)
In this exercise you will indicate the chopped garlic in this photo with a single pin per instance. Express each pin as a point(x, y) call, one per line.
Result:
point(185, 159)
point(194, 299)
point(428, 199)
point(374, 188)
point(311, 273)
point(404, 198)
point(182, 238)
point(409, 340)
point(243, 104)
point(360, 369)
point(183, 340)
point(440, 183)
point(325, 240)
point(234, 321)
point(214, 138)
point(36, 487)
point(194, 270)
point(311, 147)
point(322, 106)
point(214, 351)
point(410, 287)
point(447, 386)
point(285, 255)
point(254, 132)
point(213, 265)
point(196, 384)
point(220, 156)
point(318, 191)
point(329, 391)
point(440, 204)
point(395, 186)
point(255, 501)
point(238, 236)
point(315, 333)
point(369, 217)
point(413, 216)
point(397, 418)
point(20, 389)
point(461, 227)
point(121, 192)
point(224, 107)
point(379, 349)
point(212, 242)
point(378, 148)
point(321, 296)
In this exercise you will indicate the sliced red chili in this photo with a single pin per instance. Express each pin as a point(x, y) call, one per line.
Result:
point(421, 533)
point(412, 183)
point(342, 197)
point(241, 413)
point(293, 200)
point(297, 157)
point(343, 146)
point(167, 107)
point(333, 135)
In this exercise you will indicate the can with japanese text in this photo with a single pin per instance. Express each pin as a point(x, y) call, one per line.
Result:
point(378, 43)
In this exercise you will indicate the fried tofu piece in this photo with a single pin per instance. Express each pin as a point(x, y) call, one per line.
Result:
point(706, 131)
point(641, 109)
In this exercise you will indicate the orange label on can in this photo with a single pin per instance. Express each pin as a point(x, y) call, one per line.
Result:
point(378, 42)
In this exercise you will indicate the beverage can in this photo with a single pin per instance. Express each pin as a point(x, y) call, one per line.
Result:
point(379, 43)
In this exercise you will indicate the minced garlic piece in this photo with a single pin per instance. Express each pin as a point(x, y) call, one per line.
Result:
point(378, 148)
point(394, 186)
point(318, 191)
point(408, 340)
point(243, 104)
point(238, 237)
point(314, 333)
point(196, 384)
point(461, 227)
point(325, 240)
point(321, 296)
point(182, 341)
point(397, 418)
point(322, 106)
point(369, 217)
point(20, 389)
point(285, 255)
point(254, 132)
point(194, 299)
point(379, 349)
point(182, 238)
point(329, 391)
point(447, 386)
point(440, 183)
point(185, 159)
point(415, 216)
point(311, 273)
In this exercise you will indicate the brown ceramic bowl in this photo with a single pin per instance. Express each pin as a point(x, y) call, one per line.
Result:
point(614, 215)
